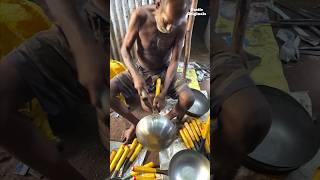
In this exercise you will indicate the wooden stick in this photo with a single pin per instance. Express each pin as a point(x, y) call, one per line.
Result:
point(187, 46)
point(239, 27)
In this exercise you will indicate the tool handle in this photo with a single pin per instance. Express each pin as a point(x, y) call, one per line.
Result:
point(123, 157)
point(112, 155)
point(136, 152)
point(207, 145)
point(158, 87)
point(142, 169)
point(195, 125)
point(188, 138)
point(206, 128)
point(186, 125)
point(194, 132)
point(184, 139)
point(132, 147)
point(116, 158)
point(150, 165)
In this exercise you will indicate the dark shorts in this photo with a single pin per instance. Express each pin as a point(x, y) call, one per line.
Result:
point(45, 63)
point(229, 75)
point(126, 86)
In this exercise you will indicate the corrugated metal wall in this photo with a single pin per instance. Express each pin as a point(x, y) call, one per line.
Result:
point(120, 11)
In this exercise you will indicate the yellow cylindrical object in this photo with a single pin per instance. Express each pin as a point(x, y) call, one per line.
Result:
point(199, 123)
point(112, 155)
point(136, 152)
point(194, 132)
point(123, 157)
point(158, 86)
point(147, 176)
point(183, 136)
point(150, 164)
point(116, 158)
point(144, 178)
point(186, 125)
point(207, 145)
point(188, 137)
point(206, 128)
point(142, 169)
point(195, 125)
point(132, 147)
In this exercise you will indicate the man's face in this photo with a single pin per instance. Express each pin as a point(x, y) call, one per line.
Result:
point(168, 17)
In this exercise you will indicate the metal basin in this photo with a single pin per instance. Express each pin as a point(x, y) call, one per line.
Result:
point(156, 132)
point(200, 105)
point(189, 165)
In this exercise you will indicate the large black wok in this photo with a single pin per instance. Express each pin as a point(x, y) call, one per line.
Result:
point(293, 138)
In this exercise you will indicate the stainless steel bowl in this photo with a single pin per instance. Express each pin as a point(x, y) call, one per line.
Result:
point(189, 165)
point(155, 132)
point(200, 105)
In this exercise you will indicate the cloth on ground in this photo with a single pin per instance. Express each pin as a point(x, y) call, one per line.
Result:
point(261, 43)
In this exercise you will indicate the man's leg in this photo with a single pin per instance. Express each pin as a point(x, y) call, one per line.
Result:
point(19, 136)
point(121, 109)
point(185, 101)
point(245, 121)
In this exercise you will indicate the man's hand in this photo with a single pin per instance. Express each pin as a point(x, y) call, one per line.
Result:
point(159, 102)
point(145, 99)
point(128, 134)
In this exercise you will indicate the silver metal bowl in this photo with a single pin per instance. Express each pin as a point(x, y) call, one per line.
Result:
point(189, 165)
point(155, 132)
point(200, 105)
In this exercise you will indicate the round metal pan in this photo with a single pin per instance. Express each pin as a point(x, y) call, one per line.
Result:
point(189, 165)
point(293, 138)
point(200, 105)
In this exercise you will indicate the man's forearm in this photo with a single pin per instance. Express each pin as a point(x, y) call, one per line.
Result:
point(171, 72)
point(127, 59)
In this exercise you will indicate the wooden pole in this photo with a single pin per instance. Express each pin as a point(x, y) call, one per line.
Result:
point(239, 28)
point(187, 46)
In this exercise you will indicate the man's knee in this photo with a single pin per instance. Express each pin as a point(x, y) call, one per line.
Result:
point(246, 117)
point(186, 97)
point(114, 89)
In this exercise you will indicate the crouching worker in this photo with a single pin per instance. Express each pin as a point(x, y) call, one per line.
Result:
point(242, 112)
point(159, 31)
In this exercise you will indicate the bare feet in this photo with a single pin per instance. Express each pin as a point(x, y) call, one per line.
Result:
point(128, 134)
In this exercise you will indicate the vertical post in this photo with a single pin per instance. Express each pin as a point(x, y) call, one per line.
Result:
point(187, 46)
point(239, 28)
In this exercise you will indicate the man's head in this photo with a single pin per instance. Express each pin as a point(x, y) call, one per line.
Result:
point(170, 14)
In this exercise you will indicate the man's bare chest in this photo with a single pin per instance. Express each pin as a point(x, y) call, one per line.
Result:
point(151, 38)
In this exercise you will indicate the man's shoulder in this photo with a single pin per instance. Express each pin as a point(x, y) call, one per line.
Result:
point(143, 11)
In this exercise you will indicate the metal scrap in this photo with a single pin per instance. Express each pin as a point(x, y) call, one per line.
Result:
point(303, 35)
point(290, 49)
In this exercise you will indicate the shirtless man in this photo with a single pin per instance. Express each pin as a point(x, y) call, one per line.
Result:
point(61, 66)
point(159, 31)
point(242, 112)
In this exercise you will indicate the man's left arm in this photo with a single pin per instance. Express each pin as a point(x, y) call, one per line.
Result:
point(175, 57)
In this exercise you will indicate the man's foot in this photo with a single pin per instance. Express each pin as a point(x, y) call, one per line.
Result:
point(128, 134)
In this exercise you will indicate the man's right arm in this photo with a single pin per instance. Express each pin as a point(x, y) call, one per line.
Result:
point(129, 39)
